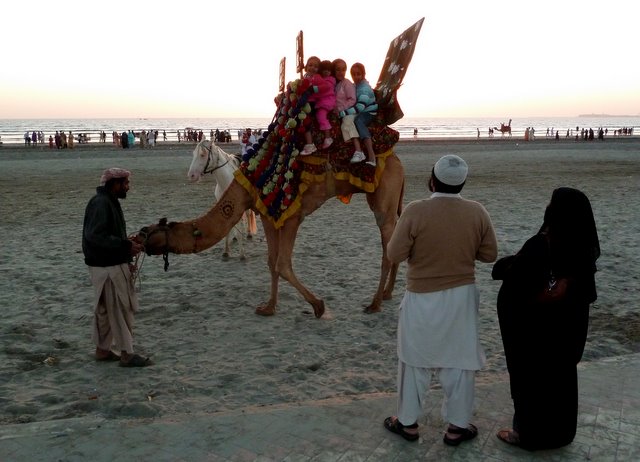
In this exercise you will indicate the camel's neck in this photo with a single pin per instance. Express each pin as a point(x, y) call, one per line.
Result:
point(193, 236)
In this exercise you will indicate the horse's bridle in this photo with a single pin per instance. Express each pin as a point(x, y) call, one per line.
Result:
point(209, 159)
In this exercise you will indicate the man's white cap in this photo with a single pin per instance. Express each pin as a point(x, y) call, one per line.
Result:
point(451, 170)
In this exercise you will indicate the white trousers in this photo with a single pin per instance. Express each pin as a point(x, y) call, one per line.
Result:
point(458, 386)
point(348, 127)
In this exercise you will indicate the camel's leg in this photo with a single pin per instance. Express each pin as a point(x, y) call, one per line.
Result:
point(268, 308)
point(386, 230)
point(391, 282)
point(284, 267)
point(386, 205)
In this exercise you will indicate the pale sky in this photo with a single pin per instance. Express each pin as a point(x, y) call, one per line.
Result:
point(510, 58)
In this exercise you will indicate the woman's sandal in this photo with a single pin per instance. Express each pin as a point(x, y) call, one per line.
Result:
point(466, 434)
point(394, 426)
point(509, 436)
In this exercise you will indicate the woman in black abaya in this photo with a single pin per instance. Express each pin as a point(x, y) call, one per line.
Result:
point(543, 309)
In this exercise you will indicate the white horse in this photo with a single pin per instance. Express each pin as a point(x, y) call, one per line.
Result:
point(209, 158)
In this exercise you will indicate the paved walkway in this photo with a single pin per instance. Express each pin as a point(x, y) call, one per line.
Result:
point(342, 430)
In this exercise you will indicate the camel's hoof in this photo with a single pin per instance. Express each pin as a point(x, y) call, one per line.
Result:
point(265, 310)
point(225, 256)
point(243, 257)
point(372, 309)
point(249, 237)
point(318, 309)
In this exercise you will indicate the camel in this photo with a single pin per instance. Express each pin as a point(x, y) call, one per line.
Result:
point(504, 128)
point(201, 233)
point(272, 170)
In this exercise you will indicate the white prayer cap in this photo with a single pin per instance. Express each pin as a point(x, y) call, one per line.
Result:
point(113, 172)
point(451, 170)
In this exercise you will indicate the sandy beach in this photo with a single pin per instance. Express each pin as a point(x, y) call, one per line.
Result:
point(211, 351)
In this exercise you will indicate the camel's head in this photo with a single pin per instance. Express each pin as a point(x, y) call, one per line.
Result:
point(174, 237)
point(201, 159)
point(155, 238)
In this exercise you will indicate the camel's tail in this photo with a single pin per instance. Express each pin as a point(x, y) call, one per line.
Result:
point(401, 198)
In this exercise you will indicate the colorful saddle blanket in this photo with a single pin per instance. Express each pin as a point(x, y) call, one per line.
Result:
point(275, 173)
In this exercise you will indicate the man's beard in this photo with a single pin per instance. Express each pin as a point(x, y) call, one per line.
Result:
point(121, 195)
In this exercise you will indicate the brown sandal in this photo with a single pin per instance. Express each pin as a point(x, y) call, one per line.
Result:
point(466, 434)
point(394, 426)
point(509, 436)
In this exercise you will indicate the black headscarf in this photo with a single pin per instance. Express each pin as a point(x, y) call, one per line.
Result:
point(571, 228)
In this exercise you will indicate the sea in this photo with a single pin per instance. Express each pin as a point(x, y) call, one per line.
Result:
point(12, 130)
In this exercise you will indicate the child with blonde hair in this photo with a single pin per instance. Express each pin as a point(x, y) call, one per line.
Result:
point(345, 98)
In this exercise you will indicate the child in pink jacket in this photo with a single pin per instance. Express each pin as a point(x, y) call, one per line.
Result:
point(324, 99)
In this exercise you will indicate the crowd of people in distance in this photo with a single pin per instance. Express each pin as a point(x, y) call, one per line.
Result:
point(33, 137)
point(127, 139)
point(144, 138)
point(586, 134)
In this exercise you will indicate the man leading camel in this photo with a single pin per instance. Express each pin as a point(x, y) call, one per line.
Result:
point(441, 237)
point(108, 253)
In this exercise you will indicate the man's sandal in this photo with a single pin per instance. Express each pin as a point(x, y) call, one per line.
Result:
point(394, 426)
point(466, 434)
point(136, 361)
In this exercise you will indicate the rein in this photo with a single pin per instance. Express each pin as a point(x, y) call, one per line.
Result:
point(162, 227)
point(210, 158)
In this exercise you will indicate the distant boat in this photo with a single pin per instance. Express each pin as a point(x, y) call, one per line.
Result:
point(604, 115)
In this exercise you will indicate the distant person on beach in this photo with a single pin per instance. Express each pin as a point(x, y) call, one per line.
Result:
point(365, 109)
point(345, 98)
point(323, 99)
point(124, 140)
point(441, 238)
point(151, 138)
point(108, 253)
point(70, 140)
point(543, 309)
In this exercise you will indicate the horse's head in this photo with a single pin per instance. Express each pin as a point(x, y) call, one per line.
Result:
point(201, 159)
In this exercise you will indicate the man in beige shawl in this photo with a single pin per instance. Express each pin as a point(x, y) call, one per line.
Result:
point(108, 252)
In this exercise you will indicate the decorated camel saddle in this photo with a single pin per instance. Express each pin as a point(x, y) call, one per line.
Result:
point(274, 172)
